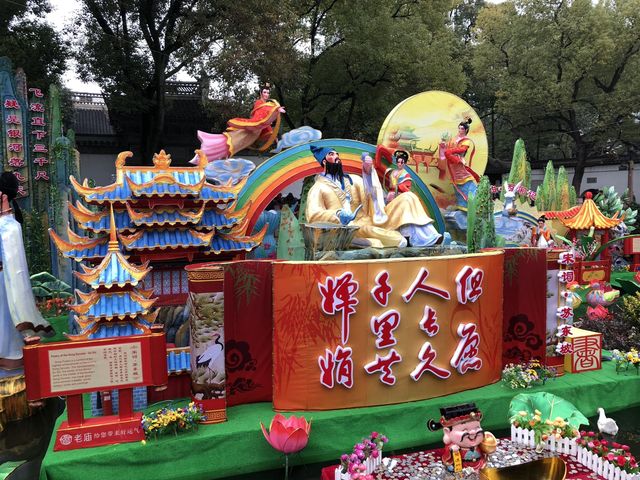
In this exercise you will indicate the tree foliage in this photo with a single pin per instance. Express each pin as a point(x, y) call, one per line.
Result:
point(553, 84)
point(32, 44)
point(340, 65)
point(132, 47)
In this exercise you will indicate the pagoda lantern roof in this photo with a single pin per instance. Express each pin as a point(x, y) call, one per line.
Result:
point(160, 181)
point(108, 306)
point(167, 216)
point(590, 216)
point(99, 221)
point(80, 248)
point(236, 240)
point(166, 238)
point(95, 330)
point(114, 270)
point(570, 213)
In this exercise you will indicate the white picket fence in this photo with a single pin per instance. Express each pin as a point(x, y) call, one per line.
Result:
point(370, 464)
point(569, 446)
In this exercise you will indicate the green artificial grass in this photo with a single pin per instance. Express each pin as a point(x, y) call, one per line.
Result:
point(238, 447)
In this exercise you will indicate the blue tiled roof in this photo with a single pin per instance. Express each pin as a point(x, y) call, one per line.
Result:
point(219, 244)
point(122, 222)
point(190, 177)
point(109, 330)
point(115, 304)
point(211, 218)
point(114, 274)
point(210, 193)
point(122, 192)
point(169, 237)
point(178, 361)
point(95, 252)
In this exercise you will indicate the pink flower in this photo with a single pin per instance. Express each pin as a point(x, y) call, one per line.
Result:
point(598, 313)
point(374, 435)
point(611, 456)
point(287, 435)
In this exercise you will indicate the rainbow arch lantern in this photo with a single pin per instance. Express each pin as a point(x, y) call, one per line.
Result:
point(296, 163)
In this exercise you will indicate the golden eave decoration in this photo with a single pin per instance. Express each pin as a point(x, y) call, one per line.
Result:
point(91, 275)
point(590, 216)
point(144, 216)
point(76, 243)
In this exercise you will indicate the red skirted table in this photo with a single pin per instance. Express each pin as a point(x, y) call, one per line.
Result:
point(426, 465)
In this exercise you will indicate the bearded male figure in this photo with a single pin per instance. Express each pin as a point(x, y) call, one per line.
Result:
point(380, 225)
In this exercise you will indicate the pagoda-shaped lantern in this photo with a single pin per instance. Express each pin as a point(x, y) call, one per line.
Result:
point(116, 305)
point(168, 216)
point(588, 217)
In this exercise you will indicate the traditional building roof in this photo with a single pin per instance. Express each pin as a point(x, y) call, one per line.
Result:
point(108, 306)
point(114, 270)
point(159, 181)
point(589, 216)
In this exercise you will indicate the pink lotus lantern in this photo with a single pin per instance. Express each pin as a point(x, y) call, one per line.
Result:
point(287, 435)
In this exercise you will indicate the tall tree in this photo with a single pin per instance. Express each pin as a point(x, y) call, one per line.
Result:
point(31, 43)
point(553, 82)
point(340, 65)
point(132, 47)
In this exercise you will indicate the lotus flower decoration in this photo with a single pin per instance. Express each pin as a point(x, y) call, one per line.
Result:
point(287, 435)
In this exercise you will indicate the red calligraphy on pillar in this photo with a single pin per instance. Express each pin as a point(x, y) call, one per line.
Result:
point(427, 357)
point(429, 322)
point(41, 161)
point(40, 134)
point(36, 92)
point(469, 284)
point(38, 122)
point(16, 162)
point(21, 191)
point(11, 103)
point(338, 295)
point(336, 368)
point(15, 147)
point(13, 119)
point(20, 177)
point(382, 289)
point(383, 365)
point(41, 175)
point(40, 148)
point(37, 107)
point(14, 133)
point(466, 357)
point(383, 326)
point(419, 284)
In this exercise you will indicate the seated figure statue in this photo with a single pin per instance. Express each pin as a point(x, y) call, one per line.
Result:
point(336, 194)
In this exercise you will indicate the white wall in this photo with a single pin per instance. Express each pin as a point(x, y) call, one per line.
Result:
point(597, 177)
point(99, 167)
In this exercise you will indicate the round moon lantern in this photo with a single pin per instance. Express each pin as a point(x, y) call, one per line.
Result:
point(420, 123)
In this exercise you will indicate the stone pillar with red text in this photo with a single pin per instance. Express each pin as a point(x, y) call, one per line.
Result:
point(206, 317)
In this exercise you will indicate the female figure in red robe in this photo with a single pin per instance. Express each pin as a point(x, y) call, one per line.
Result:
point(459, 155)
point(255, 132)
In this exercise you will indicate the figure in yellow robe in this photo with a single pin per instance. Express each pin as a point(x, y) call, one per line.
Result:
point(380, 225)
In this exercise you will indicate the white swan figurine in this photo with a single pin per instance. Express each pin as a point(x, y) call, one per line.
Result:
point(606, 425)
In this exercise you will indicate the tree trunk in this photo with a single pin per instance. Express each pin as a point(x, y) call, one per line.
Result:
point(581, 161)
point(153, 120)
